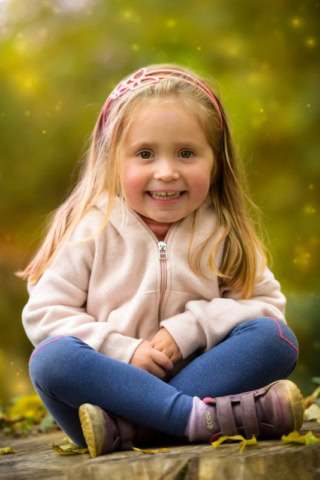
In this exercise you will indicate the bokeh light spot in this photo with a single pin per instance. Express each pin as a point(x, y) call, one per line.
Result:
point(309, 210)
point(311, 42)
point(296, 22)
point(127, 14)
point(171, 23)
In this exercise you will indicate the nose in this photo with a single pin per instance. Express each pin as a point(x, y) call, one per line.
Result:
point(166, 170)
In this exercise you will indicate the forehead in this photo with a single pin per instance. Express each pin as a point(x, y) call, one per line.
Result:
point(165, 113)
point(161, 102)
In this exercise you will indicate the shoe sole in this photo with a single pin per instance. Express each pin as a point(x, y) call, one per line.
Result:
point(91, 420)
point(290, 389)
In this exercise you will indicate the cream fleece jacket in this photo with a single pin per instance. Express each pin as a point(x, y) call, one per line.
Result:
point(114, 291)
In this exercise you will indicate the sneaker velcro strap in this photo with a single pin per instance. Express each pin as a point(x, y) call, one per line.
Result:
point(249, 414)
point(225, 416)
point(126, 433)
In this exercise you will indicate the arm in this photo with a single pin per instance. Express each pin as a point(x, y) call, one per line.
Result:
point(57, 303)
point(204, 324)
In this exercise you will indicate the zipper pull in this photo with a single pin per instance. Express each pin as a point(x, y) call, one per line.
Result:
point(162, 250)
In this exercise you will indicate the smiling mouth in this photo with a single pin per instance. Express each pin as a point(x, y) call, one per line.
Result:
point(165, 195)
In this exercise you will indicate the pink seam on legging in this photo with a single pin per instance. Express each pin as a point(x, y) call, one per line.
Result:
point(281, 335)
point(36, 351)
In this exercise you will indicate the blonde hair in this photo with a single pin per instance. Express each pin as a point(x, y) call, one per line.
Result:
point(242, 251)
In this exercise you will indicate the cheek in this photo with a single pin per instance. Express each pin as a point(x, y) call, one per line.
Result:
point(201, 183)
point(132, 182)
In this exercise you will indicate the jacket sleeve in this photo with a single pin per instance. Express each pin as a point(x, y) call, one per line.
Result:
point(204, 324)
point(57, 303)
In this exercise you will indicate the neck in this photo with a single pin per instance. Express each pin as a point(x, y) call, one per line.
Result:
point(160, 229)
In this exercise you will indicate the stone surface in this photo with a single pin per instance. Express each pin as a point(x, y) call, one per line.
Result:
point(34, 459)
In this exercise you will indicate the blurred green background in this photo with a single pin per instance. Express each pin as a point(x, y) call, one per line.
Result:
point(59, 59)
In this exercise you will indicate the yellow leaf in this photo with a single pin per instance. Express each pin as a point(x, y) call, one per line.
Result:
point(69, 441)
point(311, 398)
point(28, 406)
point(240, 438)
point(295, 437)
point(312, 413)
point(68, 449)
point(4, 451)
point(148, 451)
point(316, 393)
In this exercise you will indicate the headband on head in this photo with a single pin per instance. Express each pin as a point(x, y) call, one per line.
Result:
point(143, 78)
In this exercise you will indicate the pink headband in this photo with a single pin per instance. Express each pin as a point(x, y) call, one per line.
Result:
point(143, 78)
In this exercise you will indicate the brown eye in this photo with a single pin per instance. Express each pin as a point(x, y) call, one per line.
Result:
point(144, 154)
point(186, 154)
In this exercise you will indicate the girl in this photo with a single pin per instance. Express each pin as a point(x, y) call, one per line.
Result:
point(151, 306)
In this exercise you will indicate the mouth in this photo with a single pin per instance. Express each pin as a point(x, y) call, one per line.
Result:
point(165, 195)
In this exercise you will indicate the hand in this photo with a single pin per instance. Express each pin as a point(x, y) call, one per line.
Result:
point(164, 342)
point(153, 361)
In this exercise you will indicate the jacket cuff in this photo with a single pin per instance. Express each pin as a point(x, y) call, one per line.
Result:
point(186, 332)
point(120, 347)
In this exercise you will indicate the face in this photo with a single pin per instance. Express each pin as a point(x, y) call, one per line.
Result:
point(166, 161)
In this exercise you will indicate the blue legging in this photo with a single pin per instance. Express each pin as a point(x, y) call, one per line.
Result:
point(66, 372)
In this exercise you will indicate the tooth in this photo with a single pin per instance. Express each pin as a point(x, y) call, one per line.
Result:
point(165, 195)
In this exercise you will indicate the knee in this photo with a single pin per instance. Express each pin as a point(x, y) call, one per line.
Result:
point(280, 342)
point(277, 333)
point(50, 357)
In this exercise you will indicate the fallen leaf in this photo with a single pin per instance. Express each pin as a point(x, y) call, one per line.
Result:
point(244, 441)
point(68, 449)
point(312, 413)
point(311, 399)
point(27, 406)
point(148, 451)
point(68, 440)
point(5, 450)
point(294, 437)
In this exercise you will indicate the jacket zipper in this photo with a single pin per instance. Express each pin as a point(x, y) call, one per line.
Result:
point(162, 246)
point(162, 255)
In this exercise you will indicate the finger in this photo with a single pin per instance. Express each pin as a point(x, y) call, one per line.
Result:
point(157, 371)
point(157, 343)
point(161, 359)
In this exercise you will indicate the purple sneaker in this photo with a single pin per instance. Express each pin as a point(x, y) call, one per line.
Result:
point(106, 433)
point(103, 432)
point(269, 412)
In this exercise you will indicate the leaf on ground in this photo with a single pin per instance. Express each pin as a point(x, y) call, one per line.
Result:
point(28, 406)
point(239, 438)
point(148, 451)
point(311, 399)
point(6, 450)
point(312, 413)
point(294, 437)
point(68, 449)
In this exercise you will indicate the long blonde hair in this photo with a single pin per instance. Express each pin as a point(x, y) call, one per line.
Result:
point(243, 253)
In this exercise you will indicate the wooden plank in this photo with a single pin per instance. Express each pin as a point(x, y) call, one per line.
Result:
point(35, 460)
